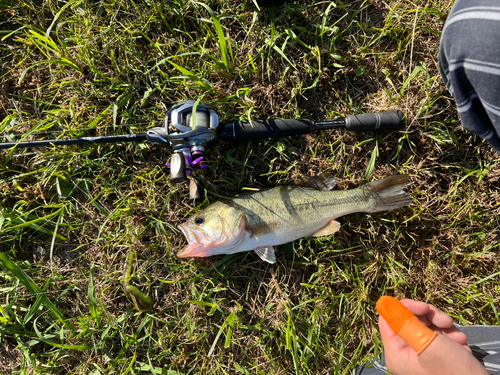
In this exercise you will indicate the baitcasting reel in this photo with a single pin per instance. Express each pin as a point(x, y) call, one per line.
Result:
point(189, 126)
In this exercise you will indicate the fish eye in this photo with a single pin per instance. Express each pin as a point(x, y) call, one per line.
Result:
point(199, 220)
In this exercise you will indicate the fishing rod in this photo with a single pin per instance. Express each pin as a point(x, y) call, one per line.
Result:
point(190, 125)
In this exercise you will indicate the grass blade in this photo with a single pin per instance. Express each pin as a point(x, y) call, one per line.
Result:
point(94, 311)
point(229, 321)
point(220, 34)
point(191, 76)
point(34, 289)
point(373, 160)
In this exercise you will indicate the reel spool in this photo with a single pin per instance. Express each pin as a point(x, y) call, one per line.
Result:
point(191, 124)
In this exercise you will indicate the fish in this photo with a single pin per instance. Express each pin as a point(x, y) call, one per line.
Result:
point(260, 220)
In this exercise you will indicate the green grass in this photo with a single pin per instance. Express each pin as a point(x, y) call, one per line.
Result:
point(70, 215)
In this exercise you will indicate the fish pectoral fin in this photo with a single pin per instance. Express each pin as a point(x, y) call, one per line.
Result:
point(332, 227)
point(266, 253)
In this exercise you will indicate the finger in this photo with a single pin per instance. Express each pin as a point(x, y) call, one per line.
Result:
point(404, 323)
point(397, 353)
point(436, 320)
point(447, 356)
point(420, 309)
point(455, 334)
point(386, 332)
point(439, 318)
point(420, 337)
point(428, 314)
point(392, 342)
point(444, 324)
point(416, 307)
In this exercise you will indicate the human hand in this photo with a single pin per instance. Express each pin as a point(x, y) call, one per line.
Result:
point(444, 354)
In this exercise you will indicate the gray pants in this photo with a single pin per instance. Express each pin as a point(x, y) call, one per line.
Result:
point(469, 61)
point(483, 340)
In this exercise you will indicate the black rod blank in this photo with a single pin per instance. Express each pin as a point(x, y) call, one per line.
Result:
point(75, 141)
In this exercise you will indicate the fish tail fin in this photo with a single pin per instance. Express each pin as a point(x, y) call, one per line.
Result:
point(387, 193)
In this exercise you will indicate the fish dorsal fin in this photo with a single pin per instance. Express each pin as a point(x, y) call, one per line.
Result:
point(332, 227)
point(266, 253)
point(319, 182)
point(322, 182)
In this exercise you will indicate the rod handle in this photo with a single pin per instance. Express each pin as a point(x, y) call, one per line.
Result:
point(391, 120)
point(267, 128)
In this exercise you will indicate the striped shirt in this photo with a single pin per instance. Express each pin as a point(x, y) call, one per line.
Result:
point(469, 61)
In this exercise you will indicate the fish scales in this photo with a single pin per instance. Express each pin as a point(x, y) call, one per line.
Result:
point(282, 208)
point(260, 220)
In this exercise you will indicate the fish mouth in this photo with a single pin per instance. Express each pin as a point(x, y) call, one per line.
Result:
point(195, 246)
point(201, 245)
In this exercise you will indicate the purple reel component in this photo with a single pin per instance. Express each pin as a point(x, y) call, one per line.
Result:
point(189, 125)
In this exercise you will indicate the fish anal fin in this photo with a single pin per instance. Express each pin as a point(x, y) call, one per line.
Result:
point(266, 253)
point(332, 227)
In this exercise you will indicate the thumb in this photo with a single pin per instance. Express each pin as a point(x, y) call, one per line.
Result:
point(392, 342)
point(404, 324)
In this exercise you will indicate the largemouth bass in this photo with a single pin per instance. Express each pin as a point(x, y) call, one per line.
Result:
point(260, 220)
